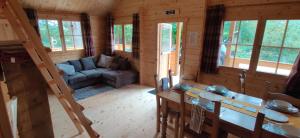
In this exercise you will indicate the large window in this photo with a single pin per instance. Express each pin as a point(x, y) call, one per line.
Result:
point(72, 35)
point(123, 37)
point(52, 34)
point(280, 46)
point(128, 37)
point(237, 43)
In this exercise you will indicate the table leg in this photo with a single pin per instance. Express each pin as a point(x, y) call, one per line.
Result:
point(157, 114)
point(223, 133)
point(164, 119)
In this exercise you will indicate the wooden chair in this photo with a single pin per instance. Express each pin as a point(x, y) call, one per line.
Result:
point(172, 114)
point(269, 95)
point(211, 123)
point(258, 125)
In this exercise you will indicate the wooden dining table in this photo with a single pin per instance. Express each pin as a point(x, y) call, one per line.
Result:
point(232, 121)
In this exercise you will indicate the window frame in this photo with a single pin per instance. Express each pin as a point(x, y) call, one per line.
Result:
point(73, 36)
point(123, 36)
point(258, 44)
point(238, 44)
point(281, 47)
point(61, 31)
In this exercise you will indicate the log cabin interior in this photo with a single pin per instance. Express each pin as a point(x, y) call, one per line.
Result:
point(150, 68)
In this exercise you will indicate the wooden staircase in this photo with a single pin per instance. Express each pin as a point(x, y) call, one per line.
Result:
point(14, 13)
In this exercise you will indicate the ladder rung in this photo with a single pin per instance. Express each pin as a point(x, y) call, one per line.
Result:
point(88, 120)
point(51, 82)
point(48, 50)
point(41, 65)
point(61, 72)
point(80, 107)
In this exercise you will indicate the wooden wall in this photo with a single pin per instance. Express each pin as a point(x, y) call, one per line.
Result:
point(191, 12)
point(98, 32)
point(257, 10)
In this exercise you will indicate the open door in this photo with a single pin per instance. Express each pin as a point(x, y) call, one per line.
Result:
point(165, 44)
point(169, 45)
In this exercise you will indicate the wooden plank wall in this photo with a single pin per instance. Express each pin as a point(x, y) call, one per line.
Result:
point(263, 9)
point(151, 13)
point(98, 31)
point(193, 11)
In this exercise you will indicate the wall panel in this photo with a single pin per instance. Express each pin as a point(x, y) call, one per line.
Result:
point(152, 13)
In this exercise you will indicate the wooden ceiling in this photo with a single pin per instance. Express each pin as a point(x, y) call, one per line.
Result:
point(93, 7)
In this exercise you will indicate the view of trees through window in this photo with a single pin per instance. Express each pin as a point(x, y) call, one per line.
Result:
point(72, 35)
point(128, 37)
point(119, 36)
point(50, 35)
point(237, 43)
point(280, 46)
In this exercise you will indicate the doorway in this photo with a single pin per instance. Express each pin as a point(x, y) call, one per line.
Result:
point(169, 49)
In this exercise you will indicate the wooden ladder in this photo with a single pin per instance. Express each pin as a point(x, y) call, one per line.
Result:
point(14, 13)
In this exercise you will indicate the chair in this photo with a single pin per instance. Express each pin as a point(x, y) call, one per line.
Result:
point(258, 125)
point(269, 95)
point(243, 81)
point(172, 114)
point(211, 122)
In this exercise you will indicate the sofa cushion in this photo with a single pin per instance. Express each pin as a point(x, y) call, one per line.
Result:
point(124, 64)
point(88, 63)
point(78, 77)
point(67, 69)
point(77, 65)
point(119, 78)
point(91, 73)
point(104, 61)
point(101, 70)
point(115, 64)
point(118, 74)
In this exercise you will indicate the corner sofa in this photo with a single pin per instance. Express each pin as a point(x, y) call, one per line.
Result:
point(88, 73)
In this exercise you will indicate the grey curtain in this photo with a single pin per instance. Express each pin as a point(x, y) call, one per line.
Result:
point(213, 25)
point(87, 35)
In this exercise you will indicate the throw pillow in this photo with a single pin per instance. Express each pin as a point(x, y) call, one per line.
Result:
point(104, 61)
point(125, 64)
point(88, 63)
point(77, 65)
point(115, 65)
point(67, 69)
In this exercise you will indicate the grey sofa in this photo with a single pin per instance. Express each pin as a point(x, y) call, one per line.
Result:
point(86, 77)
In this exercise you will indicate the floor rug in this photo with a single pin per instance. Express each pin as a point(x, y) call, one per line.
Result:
point(89, 91)
point(152, 92)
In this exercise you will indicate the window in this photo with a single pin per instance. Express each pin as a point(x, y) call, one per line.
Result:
point(128, 37)
point(50, 35)
point(123, 37)
point(280, 46)
point(118, 37)
point(237, 43)
point(72, 35)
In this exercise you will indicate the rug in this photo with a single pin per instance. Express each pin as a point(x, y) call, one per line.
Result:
point(89, 91)
point(152, 92)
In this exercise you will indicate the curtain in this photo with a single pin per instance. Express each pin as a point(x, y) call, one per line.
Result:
point(109, 35)
point(87, 35)
point(293, 82)
point(33, 19)
point(136, 36)
point(213, 25)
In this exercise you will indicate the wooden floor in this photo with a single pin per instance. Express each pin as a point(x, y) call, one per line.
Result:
point(129, 112)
